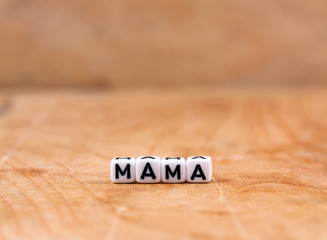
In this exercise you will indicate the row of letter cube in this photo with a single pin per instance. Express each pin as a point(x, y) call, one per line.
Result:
point(151, 169)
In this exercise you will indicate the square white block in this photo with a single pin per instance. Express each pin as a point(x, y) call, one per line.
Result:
point(148, 169)
point(122, 170)
point(198, 169)
point(173, 170)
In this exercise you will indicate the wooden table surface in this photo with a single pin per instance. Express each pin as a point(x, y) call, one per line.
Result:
point(269, 149)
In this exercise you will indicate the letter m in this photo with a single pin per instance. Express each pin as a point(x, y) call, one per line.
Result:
point(123, 172)
point(173, 173)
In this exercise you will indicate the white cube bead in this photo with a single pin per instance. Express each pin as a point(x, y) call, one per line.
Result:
point(148, 169)
point(123, 170)
point(198, 169)
point(173, 170)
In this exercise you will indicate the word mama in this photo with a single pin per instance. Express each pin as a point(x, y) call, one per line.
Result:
point(151, 169)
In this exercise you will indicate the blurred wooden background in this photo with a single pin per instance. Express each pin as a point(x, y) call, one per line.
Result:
point(146, 42)
point(268, 144)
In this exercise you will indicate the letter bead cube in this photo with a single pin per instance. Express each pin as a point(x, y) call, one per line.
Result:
point(198, 169)
point(122, 170)
point(148, 169)
point(173, 170)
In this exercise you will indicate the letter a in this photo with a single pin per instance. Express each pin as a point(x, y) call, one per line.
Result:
point(200, 174)
point(150, 174)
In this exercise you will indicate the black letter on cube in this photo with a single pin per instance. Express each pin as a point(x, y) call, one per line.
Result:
point(148, 169)
point(200, 174)
point(199, 169)
point(173, 170)
point(119, 170)
point(173, 173)
point(122, 170)
point(150, 174)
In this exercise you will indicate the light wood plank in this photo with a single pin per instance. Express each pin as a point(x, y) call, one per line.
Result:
point(269, 173)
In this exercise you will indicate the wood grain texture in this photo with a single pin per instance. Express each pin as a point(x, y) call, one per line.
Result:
point(269, 164)
point(146, 42)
